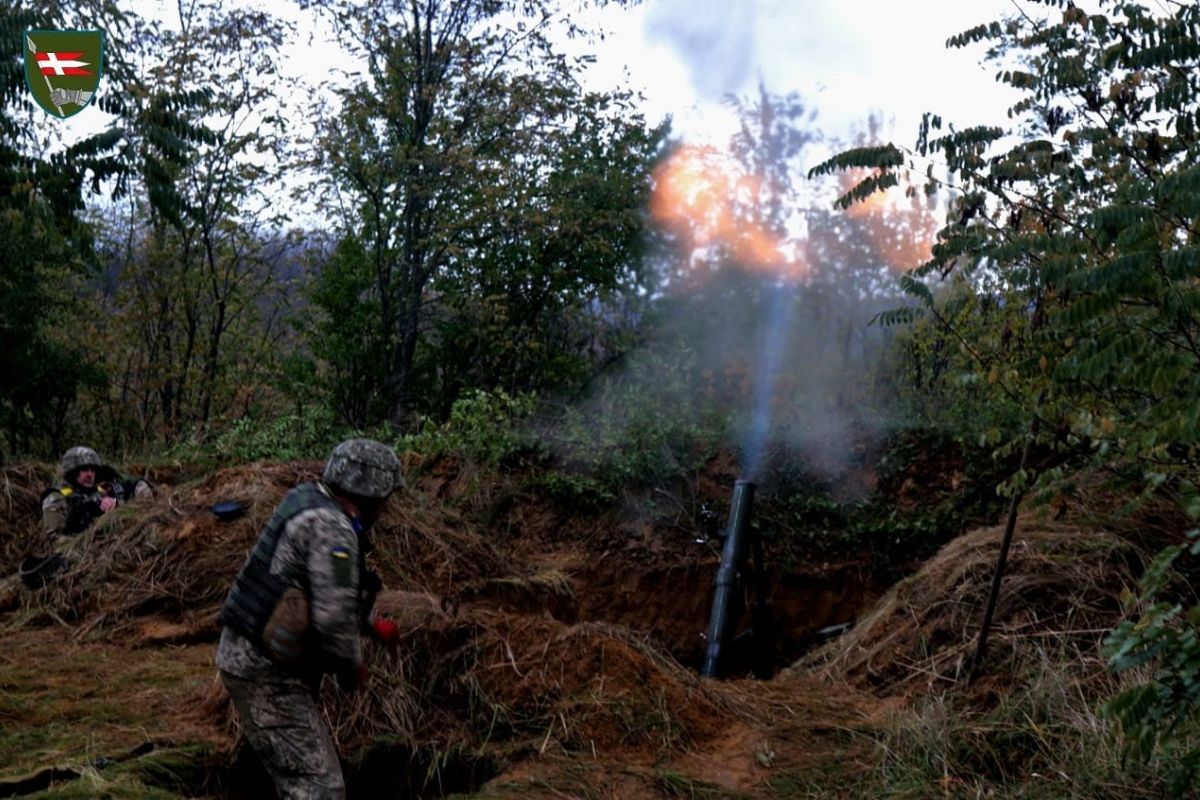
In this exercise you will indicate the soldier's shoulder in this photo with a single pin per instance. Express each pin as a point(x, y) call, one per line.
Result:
point(322, 517)
point(320, 525)
point(305, 496)
point(55, 495)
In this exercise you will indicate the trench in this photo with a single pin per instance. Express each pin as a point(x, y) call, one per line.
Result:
point(402, 773)
point(671, 606)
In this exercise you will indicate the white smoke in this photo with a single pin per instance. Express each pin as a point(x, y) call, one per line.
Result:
point(714, 38)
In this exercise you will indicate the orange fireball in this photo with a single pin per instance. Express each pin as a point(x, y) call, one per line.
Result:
point(706, 199)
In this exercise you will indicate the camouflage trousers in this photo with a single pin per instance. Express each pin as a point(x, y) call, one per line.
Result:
point(283, 724)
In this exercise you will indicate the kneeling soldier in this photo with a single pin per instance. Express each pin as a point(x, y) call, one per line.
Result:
point(88, 490)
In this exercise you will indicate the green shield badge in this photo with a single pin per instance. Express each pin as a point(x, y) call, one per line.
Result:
point(63, 68)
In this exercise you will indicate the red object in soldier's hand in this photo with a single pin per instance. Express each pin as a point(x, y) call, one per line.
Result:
point(386, 631)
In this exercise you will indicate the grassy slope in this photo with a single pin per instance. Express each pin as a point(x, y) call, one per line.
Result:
point(93, 708)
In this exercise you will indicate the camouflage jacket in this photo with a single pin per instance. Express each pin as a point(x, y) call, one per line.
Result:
point(318, 550)
point(68, 509)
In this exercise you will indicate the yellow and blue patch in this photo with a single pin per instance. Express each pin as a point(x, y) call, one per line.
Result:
point(343, 566)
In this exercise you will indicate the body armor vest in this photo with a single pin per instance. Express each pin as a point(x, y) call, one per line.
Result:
point(256, 591)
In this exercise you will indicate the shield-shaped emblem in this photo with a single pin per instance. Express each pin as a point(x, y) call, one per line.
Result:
point(63, 68)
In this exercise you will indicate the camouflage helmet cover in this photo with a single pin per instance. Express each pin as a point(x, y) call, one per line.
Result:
point(363, 467)
point(78, 457)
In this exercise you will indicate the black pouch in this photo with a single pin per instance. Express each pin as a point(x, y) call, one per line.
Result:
point(369, 587)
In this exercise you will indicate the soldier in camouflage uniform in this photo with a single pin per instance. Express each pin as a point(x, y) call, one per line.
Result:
point(296, 611)
point(88, 490)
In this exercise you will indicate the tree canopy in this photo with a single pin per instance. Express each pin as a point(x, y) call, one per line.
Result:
point(1073, 244)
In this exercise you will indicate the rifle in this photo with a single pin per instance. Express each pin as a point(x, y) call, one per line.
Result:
point(82, 511)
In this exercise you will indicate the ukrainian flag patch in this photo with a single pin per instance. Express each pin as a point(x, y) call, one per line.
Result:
point(342, 566)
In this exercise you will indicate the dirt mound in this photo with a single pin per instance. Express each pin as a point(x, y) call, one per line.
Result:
point(166, 556)
point(1153, 518)
point(159, 568)
point(510, 685)
point(21, 488)
point(526, 682)
point(1062, 587)
point(529, 632)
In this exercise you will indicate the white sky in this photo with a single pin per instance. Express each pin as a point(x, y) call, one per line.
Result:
point(846, 58)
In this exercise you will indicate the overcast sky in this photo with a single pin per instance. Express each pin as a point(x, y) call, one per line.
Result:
point(846, 58)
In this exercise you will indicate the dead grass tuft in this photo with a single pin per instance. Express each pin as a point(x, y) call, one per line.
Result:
point(157, 570)
point(521, 682)
point(21, 487)
point(1062, 585)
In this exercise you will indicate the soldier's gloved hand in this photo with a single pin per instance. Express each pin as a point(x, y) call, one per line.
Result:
point(386, 632)
point(107, 504)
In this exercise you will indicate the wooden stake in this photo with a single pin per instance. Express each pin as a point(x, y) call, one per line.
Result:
point(1002, 560)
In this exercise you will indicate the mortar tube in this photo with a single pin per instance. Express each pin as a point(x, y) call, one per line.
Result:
point(726, 584)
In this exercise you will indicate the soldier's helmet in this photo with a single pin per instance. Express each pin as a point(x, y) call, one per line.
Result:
point(363, 467)
point(77, 457)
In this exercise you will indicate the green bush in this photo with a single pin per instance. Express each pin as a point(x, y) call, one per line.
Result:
point(484, 428)
point(1072, 253)
point(1158, 714)
point(309, 433)
point(581, 492)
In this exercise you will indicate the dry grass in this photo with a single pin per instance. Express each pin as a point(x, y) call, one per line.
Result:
point(524, 682)
point(492, 664)
point(158, 569)
point(1062, 585)
point(21, 487)
point(1099, 500)
point(1043, 738)
point(66, 702)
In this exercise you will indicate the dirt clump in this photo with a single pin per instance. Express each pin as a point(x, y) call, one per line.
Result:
point(520, 683)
